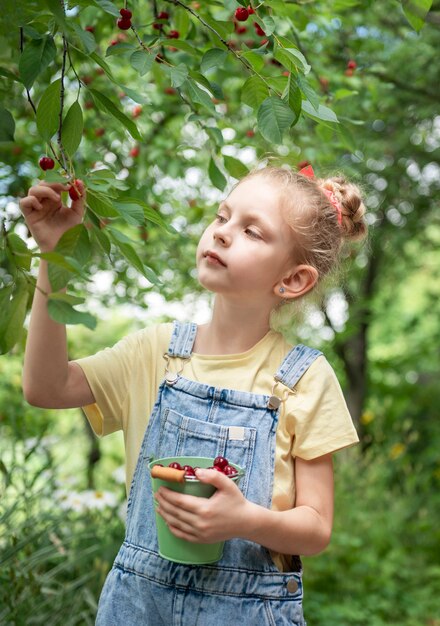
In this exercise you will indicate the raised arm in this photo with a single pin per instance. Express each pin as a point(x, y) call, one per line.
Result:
point(49, 380)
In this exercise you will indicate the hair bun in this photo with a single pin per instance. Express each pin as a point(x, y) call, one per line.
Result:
point(353, 225)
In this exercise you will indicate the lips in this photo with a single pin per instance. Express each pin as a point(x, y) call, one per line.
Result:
point(213, 258)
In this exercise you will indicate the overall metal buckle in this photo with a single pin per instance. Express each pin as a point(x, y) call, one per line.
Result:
point(171, 377)
point(275, 401)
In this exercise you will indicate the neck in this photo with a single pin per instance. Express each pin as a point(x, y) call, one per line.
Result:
point(233, 328)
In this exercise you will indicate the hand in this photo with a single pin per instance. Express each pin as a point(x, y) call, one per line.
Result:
point(45, 215)
point(205, 520)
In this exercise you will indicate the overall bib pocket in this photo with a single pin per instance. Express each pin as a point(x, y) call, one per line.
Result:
point(181, 435)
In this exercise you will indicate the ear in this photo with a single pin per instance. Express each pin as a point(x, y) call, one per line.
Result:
point(297, 283)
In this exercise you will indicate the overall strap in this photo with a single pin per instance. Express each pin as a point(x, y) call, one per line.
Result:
point(182, 339)
point(296, 363)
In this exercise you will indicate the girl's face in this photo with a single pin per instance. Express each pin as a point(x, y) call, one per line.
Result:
point(248, 248)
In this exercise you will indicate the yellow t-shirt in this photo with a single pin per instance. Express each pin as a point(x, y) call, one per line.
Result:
point(314, 419)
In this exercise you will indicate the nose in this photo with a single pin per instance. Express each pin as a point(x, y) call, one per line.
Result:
point(221, 235)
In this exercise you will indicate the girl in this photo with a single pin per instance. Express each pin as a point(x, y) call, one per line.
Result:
point(231, 387)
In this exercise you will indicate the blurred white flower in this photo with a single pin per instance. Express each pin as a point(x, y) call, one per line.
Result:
point(119, 475)
point(88, 500)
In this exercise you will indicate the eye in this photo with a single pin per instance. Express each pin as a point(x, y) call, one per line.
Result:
point(220, 218)
point(252, 233)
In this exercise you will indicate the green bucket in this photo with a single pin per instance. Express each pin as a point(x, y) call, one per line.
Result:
point(171, 547)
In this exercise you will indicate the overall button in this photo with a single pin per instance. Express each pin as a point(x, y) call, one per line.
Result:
point(171, 377)
point(274, 402)
point(292, 585)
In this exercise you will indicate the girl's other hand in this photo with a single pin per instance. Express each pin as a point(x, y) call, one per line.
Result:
point(205, 520)
point(46, 216)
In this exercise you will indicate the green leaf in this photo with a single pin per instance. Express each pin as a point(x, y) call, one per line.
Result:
point(323, 112)
point(213, 58)
point(48, 110)
point(196, 94)
point(86, 38)
point(274, 117)
point(63, 313)
point(21, 254)
point(308, 91)
point(150, 214)
point(7, 125)
point(131, 212)
point(99, 204)
point(181, 21)
point(103, 103)
point(141, 61)
point(293, 98)
point(185, 46)
point(130, 254)
point(340, 94)
point(236, 168)
point(122, 49)
point(72, 129)
point(287, 50)
point(66, 297)
point(8, 74)
point(35, 58)
point(216, 176)
point(416, 11)
point(13, 315)
point(69, 257)
point(256, 60)
point(254, 92)
point(178, 75)
point(216, 135)
point(108, 7)
point(57, 9)
point(268, 24)
point(75, 244)
point(223, 28)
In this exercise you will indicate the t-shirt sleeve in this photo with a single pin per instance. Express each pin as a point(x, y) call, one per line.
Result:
point(321, 421)
point(110, 374)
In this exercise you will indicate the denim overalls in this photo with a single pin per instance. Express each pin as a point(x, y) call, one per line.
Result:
point(244, 588)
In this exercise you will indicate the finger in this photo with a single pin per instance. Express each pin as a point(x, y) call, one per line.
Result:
point(215, 478)
point(29, 204)
point(43, 192)
point(174, 511)
point(179, 500)
point(175, 524)
point(56, 186)
point(182, 534)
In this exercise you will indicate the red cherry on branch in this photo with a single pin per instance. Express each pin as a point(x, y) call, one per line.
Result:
point(75, 190)
point(123, 23)
point(126, 14)
point(241, 14)
point(134, 152)
point(163, 15)
point(260, 32)
point(352, 65)
point(46, 163)
point(250, 10)
point(173, 34)
point(91, 29)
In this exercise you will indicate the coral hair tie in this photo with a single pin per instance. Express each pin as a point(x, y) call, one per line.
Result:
point(307, 171)
point(334, 202)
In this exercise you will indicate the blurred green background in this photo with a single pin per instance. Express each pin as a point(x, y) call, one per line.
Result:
point(62, 490)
